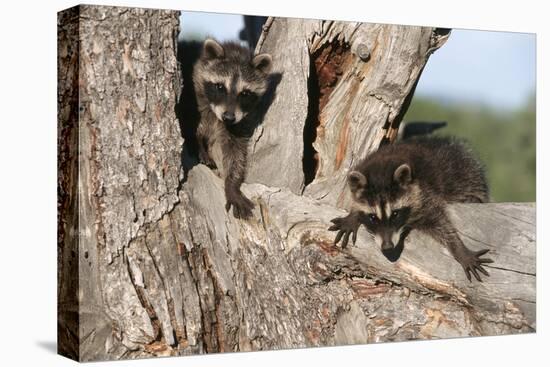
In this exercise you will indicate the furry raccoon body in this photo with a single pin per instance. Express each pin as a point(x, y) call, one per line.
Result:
point(409, 185)
point(229, 85)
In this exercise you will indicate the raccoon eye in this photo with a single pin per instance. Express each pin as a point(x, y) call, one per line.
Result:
point(246, 93)
point(372, 218)
point(394, 214)
point(220, 87)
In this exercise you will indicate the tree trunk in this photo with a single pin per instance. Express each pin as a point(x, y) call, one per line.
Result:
point(153, 265)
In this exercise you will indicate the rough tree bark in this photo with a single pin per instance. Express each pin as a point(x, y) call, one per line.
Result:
point(151, 264)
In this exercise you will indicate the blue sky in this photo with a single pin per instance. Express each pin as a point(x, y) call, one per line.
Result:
point(495, 68)
point(223, 27)
point(492, 68)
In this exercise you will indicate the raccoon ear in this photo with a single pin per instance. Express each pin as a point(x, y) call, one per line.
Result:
point(212, 49)
point(356, 181)
point(263, 63)
point(402, 174)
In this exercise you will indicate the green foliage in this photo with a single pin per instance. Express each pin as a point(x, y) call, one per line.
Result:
point(193, 35)
point(504, 140)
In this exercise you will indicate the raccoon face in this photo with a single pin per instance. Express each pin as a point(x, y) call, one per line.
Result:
point(232, 81)
point(387, 203)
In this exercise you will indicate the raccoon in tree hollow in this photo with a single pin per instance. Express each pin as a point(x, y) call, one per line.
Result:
point(408, 185)
point(229, 85)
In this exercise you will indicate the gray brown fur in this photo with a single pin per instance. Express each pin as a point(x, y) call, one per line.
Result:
point(229, 85)
point(407, 186)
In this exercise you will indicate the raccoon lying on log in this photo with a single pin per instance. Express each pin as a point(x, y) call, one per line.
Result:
point(229, 85)
point(408, 185)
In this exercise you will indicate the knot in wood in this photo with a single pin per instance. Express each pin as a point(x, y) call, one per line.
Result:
point(363, 52)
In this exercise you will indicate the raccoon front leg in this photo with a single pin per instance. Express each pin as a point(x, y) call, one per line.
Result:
point(346, 226)
point(202, 140)
point(443, 231)
point(204, 157)
point(234, 162)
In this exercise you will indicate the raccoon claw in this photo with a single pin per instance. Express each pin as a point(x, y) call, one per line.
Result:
point(345, 226)
point(473, 263)
point(242, 207)
point(208, 162)
point(205, 159)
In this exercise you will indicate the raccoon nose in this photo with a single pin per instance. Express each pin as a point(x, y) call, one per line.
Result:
point(228, 117)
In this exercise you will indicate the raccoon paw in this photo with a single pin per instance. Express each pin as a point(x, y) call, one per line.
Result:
point(472, 263)
point(205, 159)
point(242, 206)
point(345, 226)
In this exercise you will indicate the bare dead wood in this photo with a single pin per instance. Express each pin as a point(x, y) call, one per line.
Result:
point(310, 292)
point(162, 269)
point(345, 86)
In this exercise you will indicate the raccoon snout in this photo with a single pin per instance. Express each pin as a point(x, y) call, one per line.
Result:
point(384, 241)
point(387, 246)
point(228, 117)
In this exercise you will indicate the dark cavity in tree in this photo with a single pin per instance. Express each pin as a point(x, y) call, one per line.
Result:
point(325, 69)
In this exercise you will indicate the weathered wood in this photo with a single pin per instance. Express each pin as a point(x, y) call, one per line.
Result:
point(344, 85)
point(162, 269)
point(285, 278)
